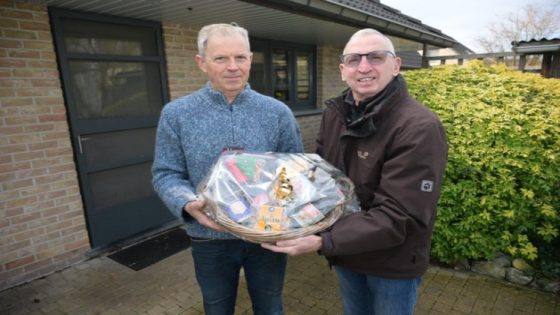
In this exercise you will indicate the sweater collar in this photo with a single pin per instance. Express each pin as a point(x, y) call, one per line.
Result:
point(219, 98)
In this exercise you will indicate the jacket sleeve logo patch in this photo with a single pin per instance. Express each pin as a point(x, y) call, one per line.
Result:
point(427, 186)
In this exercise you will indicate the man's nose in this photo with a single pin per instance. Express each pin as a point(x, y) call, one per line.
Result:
point(364, 64)
point(232, 64)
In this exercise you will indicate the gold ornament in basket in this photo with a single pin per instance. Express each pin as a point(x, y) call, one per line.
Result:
point(268, 197)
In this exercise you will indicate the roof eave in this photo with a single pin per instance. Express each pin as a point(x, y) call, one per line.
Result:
point(342, 14)
point(396, 28)
point(535, 49)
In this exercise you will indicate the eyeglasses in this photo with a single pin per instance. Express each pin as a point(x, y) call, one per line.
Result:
point(373, 57)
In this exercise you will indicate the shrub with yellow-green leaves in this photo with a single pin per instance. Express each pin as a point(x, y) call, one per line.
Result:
point(501, 191)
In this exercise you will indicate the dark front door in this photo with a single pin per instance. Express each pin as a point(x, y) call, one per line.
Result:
point(114, 86)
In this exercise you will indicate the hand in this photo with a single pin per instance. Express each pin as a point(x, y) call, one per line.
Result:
point(298, 246)
point(196, 210)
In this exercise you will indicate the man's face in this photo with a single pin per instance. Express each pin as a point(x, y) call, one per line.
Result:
point(227, 62)
point(366, 79)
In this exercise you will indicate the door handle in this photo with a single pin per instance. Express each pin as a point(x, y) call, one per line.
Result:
point(80, 139)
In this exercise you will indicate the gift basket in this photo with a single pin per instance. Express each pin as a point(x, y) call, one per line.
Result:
point(267, 197)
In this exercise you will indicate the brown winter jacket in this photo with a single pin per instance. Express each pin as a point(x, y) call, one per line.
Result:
point(396, 158)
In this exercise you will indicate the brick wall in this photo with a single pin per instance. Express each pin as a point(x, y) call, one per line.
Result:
point(328, 85)
point(183, 74)
point(309, 126)
point(42, 226)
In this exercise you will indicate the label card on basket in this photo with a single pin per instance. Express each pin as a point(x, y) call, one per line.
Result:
point(270, 218)
point(308, 215)
point(238, 211)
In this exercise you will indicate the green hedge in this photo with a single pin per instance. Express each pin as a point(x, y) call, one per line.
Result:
point(501, 191)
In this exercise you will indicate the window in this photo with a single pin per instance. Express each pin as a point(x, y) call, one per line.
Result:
point(114, 68)
point(286, 72)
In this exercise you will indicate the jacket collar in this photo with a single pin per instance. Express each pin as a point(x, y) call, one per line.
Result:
point(375, 107)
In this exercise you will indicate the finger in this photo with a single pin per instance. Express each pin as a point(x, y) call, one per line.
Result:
point(214, 225)
point(286, 243)
point(196, 210)
point(197, 205)
point(209, 222)
point(201, 203)
point(274, 248)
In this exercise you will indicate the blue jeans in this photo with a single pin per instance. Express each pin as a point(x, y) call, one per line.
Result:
point(217, 265)
point(369, 295)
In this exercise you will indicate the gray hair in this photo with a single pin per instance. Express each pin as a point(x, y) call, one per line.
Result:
point(220, 29)
point(370, 32)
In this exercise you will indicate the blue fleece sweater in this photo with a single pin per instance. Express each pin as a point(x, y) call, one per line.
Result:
point(195, 129)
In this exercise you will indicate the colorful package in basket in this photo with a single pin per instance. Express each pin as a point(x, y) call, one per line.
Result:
point(264, 197)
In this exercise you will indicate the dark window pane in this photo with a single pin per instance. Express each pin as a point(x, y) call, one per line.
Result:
point(105, 150)
point(115, 89)
point(103, 46)
point(286, 72)
point(121, 185)
point(281, 75)
point(303, 76)
point(257, 80)
point(106, 38)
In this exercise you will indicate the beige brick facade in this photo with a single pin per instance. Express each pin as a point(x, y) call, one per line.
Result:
point(42, 225)
point(42, 220)
point(329, 83)
point(183, 74)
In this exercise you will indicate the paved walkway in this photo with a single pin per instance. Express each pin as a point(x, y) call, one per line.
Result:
point(102, 286)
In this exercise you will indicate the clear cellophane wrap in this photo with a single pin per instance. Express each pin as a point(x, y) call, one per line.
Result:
point(267, 197)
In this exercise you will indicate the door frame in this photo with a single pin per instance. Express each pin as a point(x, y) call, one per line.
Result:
point(79, 127)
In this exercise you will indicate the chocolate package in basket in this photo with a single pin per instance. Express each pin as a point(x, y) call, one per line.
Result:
point(267, 197)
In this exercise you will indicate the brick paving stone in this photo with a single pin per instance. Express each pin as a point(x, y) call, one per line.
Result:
point(464, 305)
point(156, 310)
point(442, 306)
point(481, 309)
point(102, 286)
point(428, 300)
point(502, 310)
point(436, 312)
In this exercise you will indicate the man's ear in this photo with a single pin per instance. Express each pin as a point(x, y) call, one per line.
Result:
point(341, 67)
point(397, 66)
point(200, 62)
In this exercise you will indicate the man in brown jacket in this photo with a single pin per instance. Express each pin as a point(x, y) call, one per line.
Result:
point(395, 151)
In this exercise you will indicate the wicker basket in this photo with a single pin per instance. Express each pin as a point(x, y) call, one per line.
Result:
point(258, 235)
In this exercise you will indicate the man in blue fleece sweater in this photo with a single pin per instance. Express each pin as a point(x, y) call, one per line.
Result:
point(192, 132)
